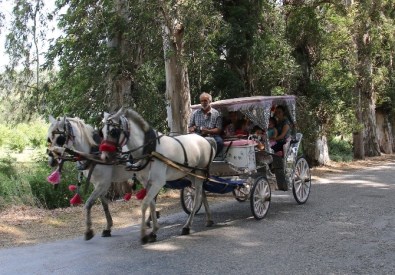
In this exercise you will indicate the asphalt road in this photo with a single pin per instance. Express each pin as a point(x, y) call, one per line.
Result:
point(346, 227)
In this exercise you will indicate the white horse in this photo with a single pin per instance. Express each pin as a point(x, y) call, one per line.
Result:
point(73, 133)
point(193, 152)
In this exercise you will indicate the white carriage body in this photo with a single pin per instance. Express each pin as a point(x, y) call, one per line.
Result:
point(241, 154)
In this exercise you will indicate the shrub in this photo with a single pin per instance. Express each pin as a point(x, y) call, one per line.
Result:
point(340, 149)
point(26, 183)
point(23, 135)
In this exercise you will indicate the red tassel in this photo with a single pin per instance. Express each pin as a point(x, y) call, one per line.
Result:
point(54, 177)
point(72, 187)
point(76, 199)
point(141, 194)
point(127, 196)
point(106, 146)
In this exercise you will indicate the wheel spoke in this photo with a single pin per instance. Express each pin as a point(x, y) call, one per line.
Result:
point(301, 181)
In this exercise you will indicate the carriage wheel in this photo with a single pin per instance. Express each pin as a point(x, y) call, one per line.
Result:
point(260, 198)
point(301, 183)
point(188, 198)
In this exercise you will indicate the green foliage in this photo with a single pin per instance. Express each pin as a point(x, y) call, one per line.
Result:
point(23, 135)
point(340, 149)
point(26, 183)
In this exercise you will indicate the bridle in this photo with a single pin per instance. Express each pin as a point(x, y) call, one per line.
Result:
point(117, 129)
point(65, 135)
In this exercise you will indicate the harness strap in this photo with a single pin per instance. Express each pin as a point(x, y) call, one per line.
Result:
point(124, 123)
point(184, 151)
point(180, 168)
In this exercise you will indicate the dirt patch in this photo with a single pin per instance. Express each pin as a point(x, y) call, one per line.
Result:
point(22, 225)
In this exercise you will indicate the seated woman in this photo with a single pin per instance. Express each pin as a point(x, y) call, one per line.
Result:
point(235, 126)
point(283, 128)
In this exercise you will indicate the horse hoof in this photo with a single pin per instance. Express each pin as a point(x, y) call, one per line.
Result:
point(106, 233)
point(209, 223)
point(152, 237)
point(185, 231)
point(89, 235)
point(144, 240)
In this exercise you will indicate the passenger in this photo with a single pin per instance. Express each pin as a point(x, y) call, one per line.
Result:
point(235, 127)
point(272, 132)
point(207, 121)
point(283, 129)
point(259, 136)
point(230, 128)
point(246, 126)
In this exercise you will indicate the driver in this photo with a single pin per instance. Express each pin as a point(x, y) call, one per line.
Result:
point(207, 121)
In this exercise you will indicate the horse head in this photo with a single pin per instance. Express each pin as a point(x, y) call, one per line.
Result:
point(114, 133)
point(60, 134)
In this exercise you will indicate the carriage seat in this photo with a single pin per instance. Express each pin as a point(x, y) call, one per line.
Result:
point(239, 142)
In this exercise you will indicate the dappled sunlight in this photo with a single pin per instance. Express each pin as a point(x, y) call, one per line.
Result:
point(10, 230)
point(162, 247)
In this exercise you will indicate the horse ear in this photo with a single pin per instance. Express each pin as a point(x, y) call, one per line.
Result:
point(119, 113)
point(51, 119)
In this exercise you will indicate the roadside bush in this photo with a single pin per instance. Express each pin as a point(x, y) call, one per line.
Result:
point(340, 150)
point(13, 188)
point(26, 183)
point(23, 135)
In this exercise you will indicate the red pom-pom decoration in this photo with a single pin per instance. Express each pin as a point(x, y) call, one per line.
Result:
point(54, 178)
point(72, 187)
point(107, 146)
point(127, 196)
point(141, 194)
point(76, 199)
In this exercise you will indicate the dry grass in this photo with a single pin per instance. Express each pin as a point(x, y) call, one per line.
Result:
point(22, 225)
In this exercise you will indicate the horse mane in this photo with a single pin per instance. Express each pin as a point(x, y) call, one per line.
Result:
point(138, 119)
point(86, 130)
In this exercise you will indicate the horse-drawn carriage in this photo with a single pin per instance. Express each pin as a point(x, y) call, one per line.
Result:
point(249, 172)
point(185, 162)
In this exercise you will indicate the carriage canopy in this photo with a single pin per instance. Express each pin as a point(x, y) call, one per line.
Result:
point(256, 108)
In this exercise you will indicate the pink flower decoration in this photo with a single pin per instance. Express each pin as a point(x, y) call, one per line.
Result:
point(54, 177)
point(72, 188)
point(76, 200)
point(141, 194)
point(127, 196)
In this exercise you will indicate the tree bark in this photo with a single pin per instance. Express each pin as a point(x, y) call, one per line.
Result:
point(121, 82)
point(178, 99)
point(321, 151)
point(365, 107)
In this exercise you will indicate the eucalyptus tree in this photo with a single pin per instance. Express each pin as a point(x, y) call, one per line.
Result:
point(321, 34)
point(374, 45)
point(25, 44)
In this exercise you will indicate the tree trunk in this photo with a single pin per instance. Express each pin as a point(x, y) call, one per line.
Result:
point(365, 139)
point(371, 143)
point(178, 99)
point(384, 132)
point(321, 151)
point(120, 84)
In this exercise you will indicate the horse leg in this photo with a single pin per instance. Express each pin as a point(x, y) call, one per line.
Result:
point(106, 232)
point(88, 219)
point(157, 214)
point(154, 218)
point(209, 221)
point(149, 201)
point(198, 197)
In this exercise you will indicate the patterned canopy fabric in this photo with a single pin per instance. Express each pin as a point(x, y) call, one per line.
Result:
point(256, 108)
